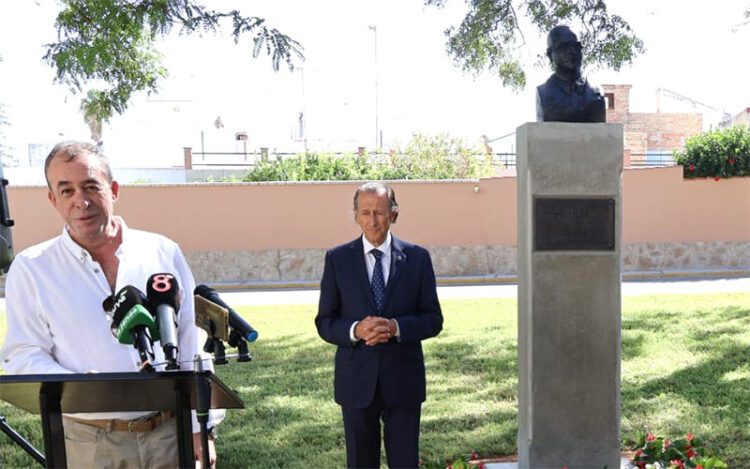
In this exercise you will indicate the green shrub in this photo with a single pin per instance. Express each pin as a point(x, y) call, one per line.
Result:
point(424, 157)
point(311, 167)
point(720, 153)
point(435, 157)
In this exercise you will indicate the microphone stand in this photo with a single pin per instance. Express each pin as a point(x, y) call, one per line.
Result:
point(22, 442)
point(215, 347)
point(202, 404)
point(236, 340)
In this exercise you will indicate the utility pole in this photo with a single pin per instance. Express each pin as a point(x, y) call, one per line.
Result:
point(378, 139)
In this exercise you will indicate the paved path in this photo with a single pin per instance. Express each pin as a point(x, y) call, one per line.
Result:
point(257, 297)
point(310, 296)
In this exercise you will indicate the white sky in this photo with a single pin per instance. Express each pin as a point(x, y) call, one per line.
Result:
point(691, 49)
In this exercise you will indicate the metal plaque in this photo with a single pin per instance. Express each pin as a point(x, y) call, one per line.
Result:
point(574, 224)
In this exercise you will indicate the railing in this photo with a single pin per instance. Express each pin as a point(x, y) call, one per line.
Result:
point(248, 160)
point(652, 159)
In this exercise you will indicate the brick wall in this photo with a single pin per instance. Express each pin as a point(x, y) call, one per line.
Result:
point(649, 131)
point(617, 112)
point(665, 131)
point(636, 142)
point(743, 118)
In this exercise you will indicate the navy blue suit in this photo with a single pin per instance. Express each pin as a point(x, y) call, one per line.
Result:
point(386, 380)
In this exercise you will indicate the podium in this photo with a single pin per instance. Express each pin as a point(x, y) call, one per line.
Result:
point(55, 394)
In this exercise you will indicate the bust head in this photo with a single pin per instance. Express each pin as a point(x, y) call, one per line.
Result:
point(566, 96)
point(564, 51)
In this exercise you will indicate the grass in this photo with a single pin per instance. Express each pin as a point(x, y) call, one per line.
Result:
point(686, 367)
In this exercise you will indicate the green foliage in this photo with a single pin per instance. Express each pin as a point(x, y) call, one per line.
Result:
point(662, 453)
point(462, 461)
point(111, 43)
point(311, 167)
point(720, 153)
point(434, 157)
point(6, 158)
point(490, 36)
point(424, 157)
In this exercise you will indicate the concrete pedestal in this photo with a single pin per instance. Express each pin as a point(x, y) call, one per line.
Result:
point(569, 184)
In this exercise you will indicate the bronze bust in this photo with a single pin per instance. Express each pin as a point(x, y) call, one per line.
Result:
point(566, 96)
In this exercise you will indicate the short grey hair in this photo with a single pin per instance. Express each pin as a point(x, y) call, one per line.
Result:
point(72, 149)
point(378, 188)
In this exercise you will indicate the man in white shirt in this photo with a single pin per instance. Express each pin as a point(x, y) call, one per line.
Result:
point(56, 322)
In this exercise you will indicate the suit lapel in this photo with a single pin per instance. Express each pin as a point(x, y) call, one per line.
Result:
point(360, 270)
point(398, 263)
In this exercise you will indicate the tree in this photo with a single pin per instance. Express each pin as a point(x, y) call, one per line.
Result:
point(111, 43)
point(747, 18)
point(490, 36)
point(6, 157)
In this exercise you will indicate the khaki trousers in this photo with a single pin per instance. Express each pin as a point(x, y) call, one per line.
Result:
point(88, 447)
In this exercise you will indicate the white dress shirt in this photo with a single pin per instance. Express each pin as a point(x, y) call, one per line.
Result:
point(385, 248)
point(385, 259)
point(56, 323)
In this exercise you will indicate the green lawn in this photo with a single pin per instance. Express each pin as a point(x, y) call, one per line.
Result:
point(686, 367)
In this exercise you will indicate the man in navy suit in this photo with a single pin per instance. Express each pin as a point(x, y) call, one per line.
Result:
point(378, 301)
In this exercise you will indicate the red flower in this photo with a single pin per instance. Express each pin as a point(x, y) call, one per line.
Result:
point(690, 452)
point(677, 463)
point(717, 178)
point(691, 168)
point(689, 436)
point(481, 466)
point(650, 436)
point(698, 467)
point(474, 455)
point(731, 161)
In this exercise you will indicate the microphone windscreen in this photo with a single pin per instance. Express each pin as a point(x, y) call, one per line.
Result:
point(136, 316)
point(123, 301)
point(163, 289)
point(236, 322)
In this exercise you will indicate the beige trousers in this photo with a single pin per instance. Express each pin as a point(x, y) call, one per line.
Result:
point(88, 447)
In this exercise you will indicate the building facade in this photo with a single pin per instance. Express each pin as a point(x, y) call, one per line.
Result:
point(650, 138)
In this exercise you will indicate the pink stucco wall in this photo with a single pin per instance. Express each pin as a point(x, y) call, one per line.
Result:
point(658, 206)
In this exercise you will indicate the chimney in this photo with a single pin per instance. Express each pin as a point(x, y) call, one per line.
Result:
point(618, 103)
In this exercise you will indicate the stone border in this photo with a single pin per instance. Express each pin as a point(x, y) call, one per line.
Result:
point(469, 264)
point(454, 265)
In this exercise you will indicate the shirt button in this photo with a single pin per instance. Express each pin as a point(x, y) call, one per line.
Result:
point(96, 271)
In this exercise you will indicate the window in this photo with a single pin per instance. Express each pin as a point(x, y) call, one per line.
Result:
point(610, 97)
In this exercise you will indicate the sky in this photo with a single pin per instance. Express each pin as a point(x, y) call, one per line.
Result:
point(691, 49)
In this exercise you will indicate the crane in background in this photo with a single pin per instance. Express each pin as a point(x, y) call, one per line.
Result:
point(726, 118)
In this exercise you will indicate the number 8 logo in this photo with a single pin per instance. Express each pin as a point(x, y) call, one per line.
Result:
point(162, 283)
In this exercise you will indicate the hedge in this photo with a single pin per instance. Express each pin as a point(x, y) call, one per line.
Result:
point(722, 153)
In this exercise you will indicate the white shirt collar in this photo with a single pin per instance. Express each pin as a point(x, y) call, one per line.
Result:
point(385, 248)
point(80, 252)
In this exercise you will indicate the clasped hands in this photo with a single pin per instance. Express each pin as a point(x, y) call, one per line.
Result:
point(375, 330)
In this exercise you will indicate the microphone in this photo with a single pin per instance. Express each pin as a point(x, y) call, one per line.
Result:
point(212, 318)
point(162, 292)
point(236, 322)
point(132, 323)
